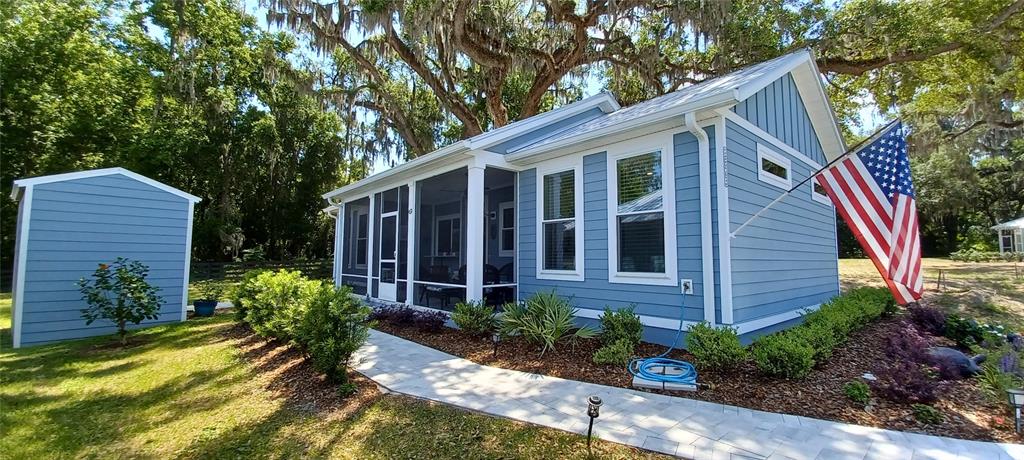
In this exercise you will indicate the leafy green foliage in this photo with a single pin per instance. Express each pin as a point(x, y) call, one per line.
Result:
point(617, 353)
point(926, 414)
point(714, 347)
point(119, 293)
point(858, 392)
point(275, 302)
point(474, 317)
point(783, 355)
point(333, 327)
point(244, 291)
point(621, 324)
point(544, 319)
point(965, 332)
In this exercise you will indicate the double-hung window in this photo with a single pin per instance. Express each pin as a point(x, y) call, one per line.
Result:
point(560, 253)
point(641, 217)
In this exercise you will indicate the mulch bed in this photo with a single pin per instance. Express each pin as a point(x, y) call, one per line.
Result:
point(284, 371)
point(967, 413)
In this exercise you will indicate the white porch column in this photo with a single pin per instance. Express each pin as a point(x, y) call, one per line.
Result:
point(371, 257)
point(410, 249)
point(339, 246)
point(475, 234)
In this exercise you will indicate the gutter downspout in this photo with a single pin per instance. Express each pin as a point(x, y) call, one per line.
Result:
point(706, 248)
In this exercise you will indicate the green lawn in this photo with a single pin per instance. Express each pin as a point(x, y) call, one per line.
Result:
point(988, 291)
point(191, 390)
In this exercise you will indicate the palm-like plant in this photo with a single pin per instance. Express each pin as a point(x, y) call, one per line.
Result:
point(543, 319)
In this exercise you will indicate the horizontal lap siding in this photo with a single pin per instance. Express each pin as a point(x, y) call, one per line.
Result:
point(779, 110)
point(786, 258)
point(77, 224)
point(595, 292)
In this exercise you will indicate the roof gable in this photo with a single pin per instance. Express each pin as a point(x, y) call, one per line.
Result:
point(21, 184)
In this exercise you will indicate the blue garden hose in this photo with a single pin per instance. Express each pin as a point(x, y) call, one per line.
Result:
point(652, 368)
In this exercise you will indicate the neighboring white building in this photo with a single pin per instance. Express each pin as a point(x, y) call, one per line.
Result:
point(1011, 235)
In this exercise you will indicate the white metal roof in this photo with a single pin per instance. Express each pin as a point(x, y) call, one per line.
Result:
point(1010, 225)
point(21, 184)
point(723, 91)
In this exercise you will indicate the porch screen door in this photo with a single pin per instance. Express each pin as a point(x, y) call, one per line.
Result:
point(388, 256)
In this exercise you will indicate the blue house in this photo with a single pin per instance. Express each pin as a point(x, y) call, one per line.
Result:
point(614, 206)
point(70, 223)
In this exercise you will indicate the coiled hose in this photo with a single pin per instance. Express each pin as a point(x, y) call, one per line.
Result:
point(655, 367)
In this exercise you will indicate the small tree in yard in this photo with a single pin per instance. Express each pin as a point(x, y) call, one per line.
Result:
point(119, 292)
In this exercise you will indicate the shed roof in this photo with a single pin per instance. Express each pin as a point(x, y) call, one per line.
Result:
point(21, 184)
point(1010, 225)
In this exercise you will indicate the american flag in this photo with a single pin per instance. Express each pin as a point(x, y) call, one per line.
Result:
point(872, 189)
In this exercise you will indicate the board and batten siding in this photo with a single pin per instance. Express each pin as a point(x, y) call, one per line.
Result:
point(785, 259)
point(779, 110)
point(79, 223)
point(595, 291)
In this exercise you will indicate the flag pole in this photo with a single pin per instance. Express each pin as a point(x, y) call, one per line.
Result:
point(813, 175)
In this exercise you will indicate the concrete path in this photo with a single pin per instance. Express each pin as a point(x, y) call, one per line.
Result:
point(677, 426)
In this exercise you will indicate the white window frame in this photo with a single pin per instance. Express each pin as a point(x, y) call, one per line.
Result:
point(502, 252)
point(661, 142)
point(574, 164)
point(437, 233)
point(354, 254)
point(763, 152)
point(819, 197)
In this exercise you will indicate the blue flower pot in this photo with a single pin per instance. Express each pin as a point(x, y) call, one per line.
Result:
point(205, 307)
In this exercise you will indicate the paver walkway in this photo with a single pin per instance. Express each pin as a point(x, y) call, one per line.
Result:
point(677, 426)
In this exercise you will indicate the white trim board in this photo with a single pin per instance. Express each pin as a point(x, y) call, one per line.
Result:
point(21, 252)
point(767, 137)
point(28, 183)
point(724, 239)
point(706, 246)
point(188, 261)
point(745, 327)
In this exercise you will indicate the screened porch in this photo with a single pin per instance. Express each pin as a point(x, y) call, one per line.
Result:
point(415, 243)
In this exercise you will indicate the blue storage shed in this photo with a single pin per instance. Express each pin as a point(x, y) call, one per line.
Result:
point(70, 223)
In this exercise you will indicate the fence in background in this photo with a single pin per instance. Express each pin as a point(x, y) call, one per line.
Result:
point(233, 271)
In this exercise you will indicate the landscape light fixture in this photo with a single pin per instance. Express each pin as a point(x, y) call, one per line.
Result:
point(495, 338)
point(593, 410)
point(1016, 397)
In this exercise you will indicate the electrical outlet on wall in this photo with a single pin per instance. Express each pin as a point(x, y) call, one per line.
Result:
point(687, 286)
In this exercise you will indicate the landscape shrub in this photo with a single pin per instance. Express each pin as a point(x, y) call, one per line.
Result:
point(783, 355)
point(544, 319)
point(973, 255)
point(621, 324)
point(1001, 374)
point(819, 336)
point(474, 317)
point(851, 311)
point(276, 303)
point(905, 381)
point(430, 321)
point(714, 347)
point(118, 292)
point(906, 344)
point(246, 289)
point(403, 315)
point(928, 318)
point(333, 327)
point(965, 332)
point(858, 392)
point(926, 414)
point(617, 353)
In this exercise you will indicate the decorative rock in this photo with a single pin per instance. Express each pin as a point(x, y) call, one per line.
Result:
point(962, 365)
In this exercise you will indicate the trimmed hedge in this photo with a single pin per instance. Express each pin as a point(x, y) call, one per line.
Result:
point(792, 353)
point(715, 347)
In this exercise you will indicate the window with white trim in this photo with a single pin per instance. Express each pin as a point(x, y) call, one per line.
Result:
point(558, 224)
point(818, 193)
point(773, 168)
point(640, 214)
point(359, 239)
point(506, 229)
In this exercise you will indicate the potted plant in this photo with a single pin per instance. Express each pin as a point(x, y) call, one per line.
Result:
point(209, 294)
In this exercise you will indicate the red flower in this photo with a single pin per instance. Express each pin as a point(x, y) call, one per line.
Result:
point(103, 266)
